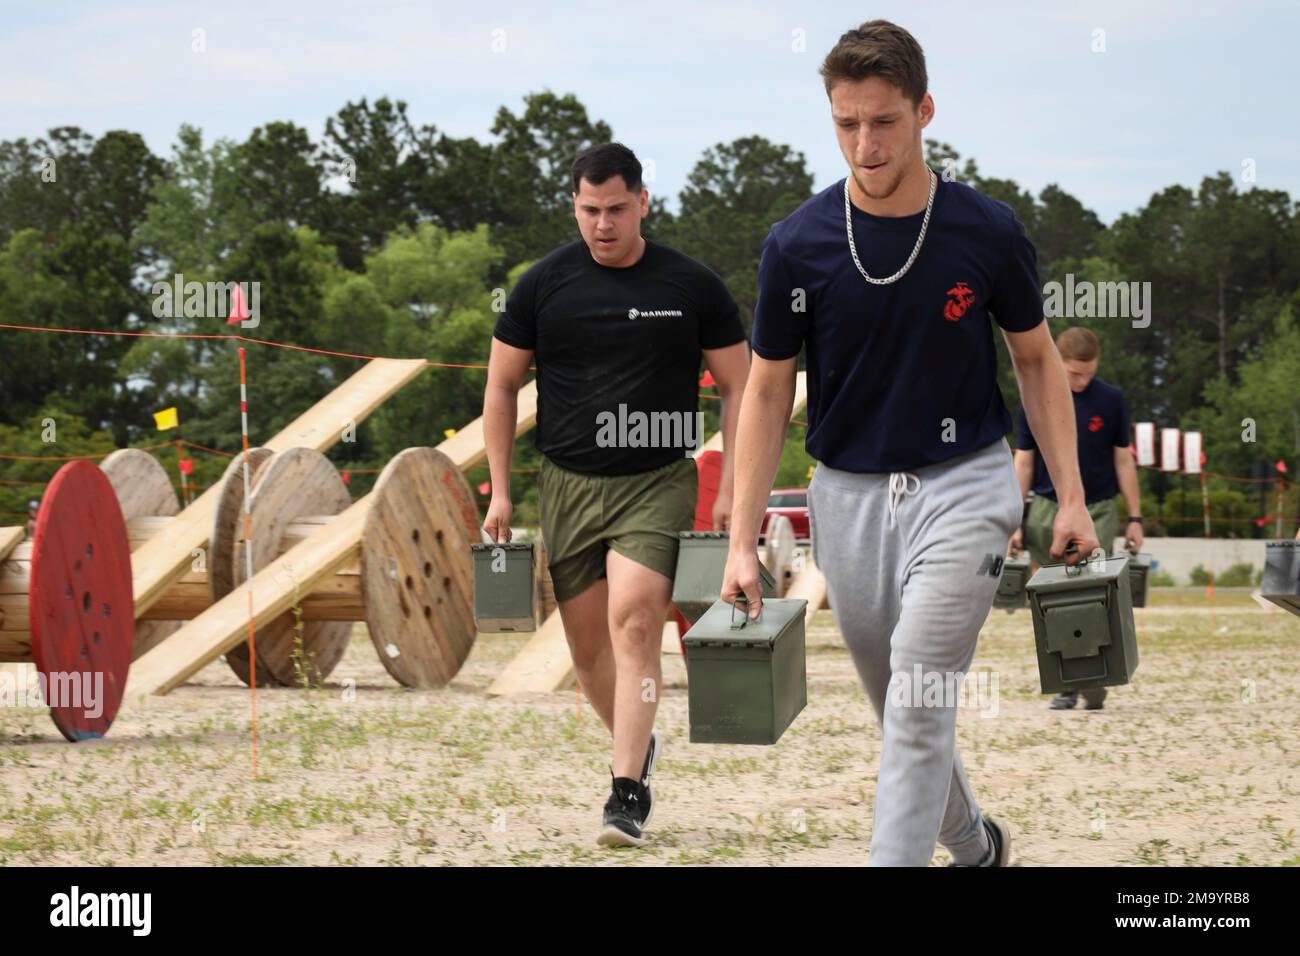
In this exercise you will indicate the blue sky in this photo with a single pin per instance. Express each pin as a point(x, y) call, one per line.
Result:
point(1182, 89)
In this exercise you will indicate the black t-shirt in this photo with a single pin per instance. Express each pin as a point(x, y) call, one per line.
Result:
point(618, 354)
point(1101, 418)
point(900, 375)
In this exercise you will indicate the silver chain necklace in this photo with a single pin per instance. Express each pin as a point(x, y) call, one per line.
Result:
point(853, 249)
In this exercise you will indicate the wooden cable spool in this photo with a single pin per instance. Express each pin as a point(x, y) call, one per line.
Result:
point(780, 551)
point(412, 582)
point(66, 601)
point(416, 571)
point(292, 484)
point(143, 491)
point(225, 545)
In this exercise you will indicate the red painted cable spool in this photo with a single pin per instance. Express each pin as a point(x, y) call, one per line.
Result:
point(80, 602)
point(708, 465)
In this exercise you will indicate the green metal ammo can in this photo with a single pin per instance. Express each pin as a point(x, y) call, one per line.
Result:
point(1083, 624)
point(503, 587)
point(1281, 583)
point(1139, 569)
point(1011, 585)
point(746, 679)
point(697, 582)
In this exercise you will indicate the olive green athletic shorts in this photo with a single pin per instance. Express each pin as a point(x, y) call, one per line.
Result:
point(1042, 514)
point(637, 515)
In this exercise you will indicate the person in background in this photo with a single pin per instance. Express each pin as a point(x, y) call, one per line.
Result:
point(614, 322)
point(1105, 462)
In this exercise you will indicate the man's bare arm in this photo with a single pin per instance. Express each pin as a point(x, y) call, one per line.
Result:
point(1045, 393)
point(507, 368)
point(1127, 475)
point(730, 370)
point(1024, 460)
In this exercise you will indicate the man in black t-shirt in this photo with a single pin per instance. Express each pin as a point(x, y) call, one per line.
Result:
point(1105, 463)
point(617, 326)
point(891, 281)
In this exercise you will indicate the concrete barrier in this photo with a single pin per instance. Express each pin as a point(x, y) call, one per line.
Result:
point(1178, 556)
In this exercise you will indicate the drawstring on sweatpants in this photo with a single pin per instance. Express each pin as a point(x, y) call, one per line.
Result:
point(898, 487)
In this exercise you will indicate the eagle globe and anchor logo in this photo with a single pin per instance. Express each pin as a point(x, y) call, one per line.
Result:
point(654, 314)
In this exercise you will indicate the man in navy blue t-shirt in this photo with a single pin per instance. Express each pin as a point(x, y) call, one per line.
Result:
point(890, 281)
point(1105, 462)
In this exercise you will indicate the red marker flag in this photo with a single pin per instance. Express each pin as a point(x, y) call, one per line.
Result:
point(347, 477)
point(485, 488)
point(1281, 466)
point(707, 380)
point(238, 307)
point(186, 465)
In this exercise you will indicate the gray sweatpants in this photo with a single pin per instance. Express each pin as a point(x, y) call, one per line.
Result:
point(910, 563)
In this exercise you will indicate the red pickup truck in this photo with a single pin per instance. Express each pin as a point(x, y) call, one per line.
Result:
point(793, 503)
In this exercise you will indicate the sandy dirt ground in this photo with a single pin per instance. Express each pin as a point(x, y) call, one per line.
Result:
point(1194, 763)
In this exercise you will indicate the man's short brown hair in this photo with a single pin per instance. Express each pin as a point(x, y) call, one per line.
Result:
point(878, 48)
point(1078, 345)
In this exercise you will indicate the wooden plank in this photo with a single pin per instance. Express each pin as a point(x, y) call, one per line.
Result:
point(322, 425)
point(543, 664)
point(225, 624)
point(10, 538)
point(467, 448)
point(192, 647)
point(164, 559)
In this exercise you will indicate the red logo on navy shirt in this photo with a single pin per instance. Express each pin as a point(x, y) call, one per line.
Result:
point(1095, 423)
point(961, 298)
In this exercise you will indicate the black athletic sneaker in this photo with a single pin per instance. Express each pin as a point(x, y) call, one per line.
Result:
point(1065, 700)
point(624, 811)
point(999, 845)
point(647, 800)
point(1000, 838)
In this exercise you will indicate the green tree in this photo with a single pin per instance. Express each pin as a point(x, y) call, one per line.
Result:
point(434, 288)
point(1257, 418)
point(531, 171)
point(279, 176)
point(386, 162)
point(25, 481)
point(71, 177)
point(1209, 255)
point(732, 197)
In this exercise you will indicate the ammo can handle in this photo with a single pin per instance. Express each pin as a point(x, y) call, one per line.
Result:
point(1072, 571)
point(1098, 555)
point(744, 619)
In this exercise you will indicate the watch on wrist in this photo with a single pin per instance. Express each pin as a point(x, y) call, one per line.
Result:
point(1134, 519)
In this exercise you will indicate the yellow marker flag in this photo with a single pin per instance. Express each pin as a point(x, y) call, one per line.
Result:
point(166, 419)
point(810, 471)
point(447, 433)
